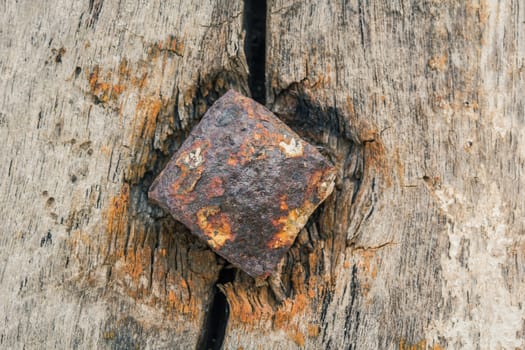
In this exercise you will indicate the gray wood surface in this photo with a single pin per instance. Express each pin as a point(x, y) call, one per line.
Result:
point(420, 105)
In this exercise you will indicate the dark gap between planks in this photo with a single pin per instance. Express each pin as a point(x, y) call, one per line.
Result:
point(254, 23)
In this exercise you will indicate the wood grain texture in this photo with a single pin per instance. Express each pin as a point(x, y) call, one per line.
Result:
point(427, 97)
point(419, 104)
point(95, 97)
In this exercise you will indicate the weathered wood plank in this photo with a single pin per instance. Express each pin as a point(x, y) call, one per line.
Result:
point(95, 97)
point(427, 95)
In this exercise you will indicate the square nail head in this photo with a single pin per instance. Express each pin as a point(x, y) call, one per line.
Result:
point(245, 183)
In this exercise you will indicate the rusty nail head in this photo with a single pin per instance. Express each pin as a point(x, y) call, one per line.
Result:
point(245, 183)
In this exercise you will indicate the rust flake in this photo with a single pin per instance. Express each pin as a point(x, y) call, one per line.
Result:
point(216, 226)
point(288, 226)
point(250, 190)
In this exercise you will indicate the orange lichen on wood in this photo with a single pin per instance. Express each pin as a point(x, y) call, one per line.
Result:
point(252, 309)
point(109, 85)
point(421, 345)
point(244, 308)
point(133, 265)
point(145, 123)
point(147, 111)
point(400, 167)
point(289, 309)
point(377, 161)
point(171, 45)
point(298, 337)
point(368, 262)
point(179, 298)
point(438, 63)
point(117, 216)
point(101, 88)
point(175, 45)
point(180, 305)
point(313, 330)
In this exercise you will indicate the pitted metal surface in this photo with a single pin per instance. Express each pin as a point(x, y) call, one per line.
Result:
point(245, 183)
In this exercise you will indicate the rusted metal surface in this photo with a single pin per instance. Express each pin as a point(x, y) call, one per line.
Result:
point(245, 183)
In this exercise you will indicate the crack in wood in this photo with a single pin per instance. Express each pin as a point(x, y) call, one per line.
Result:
point(214, 330)
point(254, 22)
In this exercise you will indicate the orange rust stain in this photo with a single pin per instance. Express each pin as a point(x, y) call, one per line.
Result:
point(298, 338)
point(105, 150)
point(289, 309)
point(139, 81)
point(253, 309)
point(216, 188)
point(109, 85)
point(375, 154)
point(246, 154)
point(191, 164)
point(350, 106)
point(298, 279)
point(131, 262)
point(176, 46)
point(93, 77)
point(232, 161)
point(400, 168)
point(421, 345)
point(313, 330)
point(180, 304)
point(117, 216)
point(438, 63)
point(145, 121)
point(118, 89)
point(260, 133)
point(244, 309)
point(147, 111)
point(299, 304)
point(289, 225)
point(215, 225)
point(171, 45)
point(282, 202)
point(178, 300)
point(369, 262)
point(134, 265)
point(255, 149)
point(124, 70)
point(314, 179)
point(101, 88)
